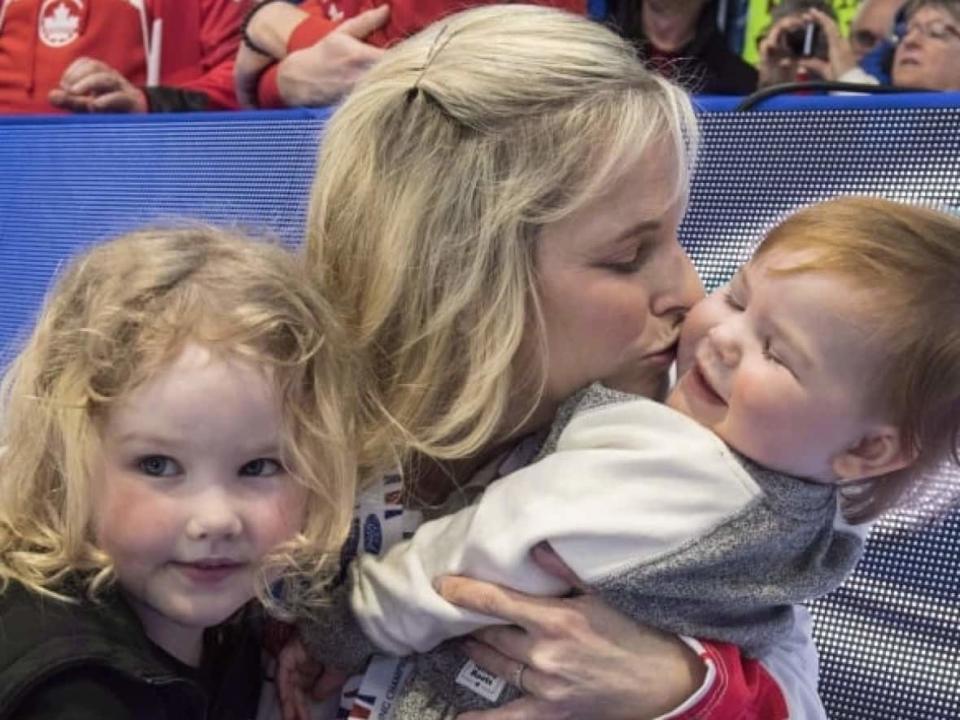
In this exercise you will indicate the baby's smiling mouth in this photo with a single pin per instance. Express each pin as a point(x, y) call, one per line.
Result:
point(705, 385)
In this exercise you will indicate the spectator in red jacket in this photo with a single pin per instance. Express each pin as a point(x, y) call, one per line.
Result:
point(314, 53)
point(118, 55)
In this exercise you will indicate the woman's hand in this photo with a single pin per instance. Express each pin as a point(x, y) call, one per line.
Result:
point(840, 59)
point(300, 680)
point(328, 70)
point(777, 65)
point(269, 28)
point(247, 68)
point(317, 75)
point(581, 658)
point(89, 85)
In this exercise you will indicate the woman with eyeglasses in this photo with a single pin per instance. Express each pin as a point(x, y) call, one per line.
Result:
point(926, 50)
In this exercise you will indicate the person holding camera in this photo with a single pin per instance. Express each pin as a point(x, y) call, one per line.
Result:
point(795, 38)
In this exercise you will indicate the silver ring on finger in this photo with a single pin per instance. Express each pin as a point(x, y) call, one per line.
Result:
point(518, 677)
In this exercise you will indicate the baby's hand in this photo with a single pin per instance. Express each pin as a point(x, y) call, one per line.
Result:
point(301, 679)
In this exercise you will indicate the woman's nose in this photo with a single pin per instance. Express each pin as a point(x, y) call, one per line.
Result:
point(680, 286)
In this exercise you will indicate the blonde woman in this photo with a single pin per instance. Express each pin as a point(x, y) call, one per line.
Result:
point(176, 434)
point(495, 215)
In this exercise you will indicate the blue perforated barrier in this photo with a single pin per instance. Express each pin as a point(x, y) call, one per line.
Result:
point(890, 639)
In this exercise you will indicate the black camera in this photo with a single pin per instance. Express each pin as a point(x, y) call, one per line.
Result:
point(806, 41)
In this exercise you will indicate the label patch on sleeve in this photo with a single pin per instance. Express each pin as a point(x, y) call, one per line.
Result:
point(483, 683)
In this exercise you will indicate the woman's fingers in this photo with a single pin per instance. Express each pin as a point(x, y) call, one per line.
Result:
point(511, 641)
point(548, 559)
point(295, 673)
point(830, 29)
point(513, 607)
point(531, 680)
point(841, 58)
point(816, 67)
point(367, 22)
point(329, 683)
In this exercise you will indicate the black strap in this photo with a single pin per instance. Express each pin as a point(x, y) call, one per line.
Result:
point(170, 99)
point(246, 23)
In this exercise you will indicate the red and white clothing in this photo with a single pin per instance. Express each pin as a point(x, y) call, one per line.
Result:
point(406, 18)
point(189, 45)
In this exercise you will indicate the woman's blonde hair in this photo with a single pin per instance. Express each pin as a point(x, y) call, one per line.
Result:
point(435, 179)
point(117, 315)
point(906, 261)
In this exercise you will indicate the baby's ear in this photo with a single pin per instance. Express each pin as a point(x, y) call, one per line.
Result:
point(878, 452)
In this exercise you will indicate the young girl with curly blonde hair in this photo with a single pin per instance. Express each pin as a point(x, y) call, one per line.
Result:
point(176, 436)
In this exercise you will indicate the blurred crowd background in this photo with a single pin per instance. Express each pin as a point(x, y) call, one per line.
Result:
point(134, 56)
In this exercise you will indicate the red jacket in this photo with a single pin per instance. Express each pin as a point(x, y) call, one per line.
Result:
point(406, 18)
point(409, 16)
point(40, 38)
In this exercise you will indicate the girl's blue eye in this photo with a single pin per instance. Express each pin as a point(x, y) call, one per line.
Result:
point(261, 467)
point(158, 466)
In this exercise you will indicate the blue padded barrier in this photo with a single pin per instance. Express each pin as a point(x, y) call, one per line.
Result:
point(890, 639)
point(66, 182)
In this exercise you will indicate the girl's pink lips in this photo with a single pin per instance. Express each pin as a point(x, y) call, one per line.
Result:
point(209, 572)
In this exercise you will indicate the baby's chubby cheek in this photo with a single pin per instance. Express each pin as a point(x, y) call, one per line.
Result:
point(686, 352)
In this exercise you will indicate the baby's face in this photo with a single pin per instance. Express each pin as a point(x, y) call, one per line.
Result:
point(776, 366)
point(191, 493)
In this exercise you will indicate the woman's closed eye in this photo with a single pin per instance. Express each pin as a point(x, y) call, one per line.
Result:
point(634, 262)
point(262, 467)
point(158, 466)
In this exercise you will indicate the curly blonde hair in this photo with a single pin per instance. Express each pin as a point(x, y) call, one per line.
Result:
point(435, 179)
point(117, 315)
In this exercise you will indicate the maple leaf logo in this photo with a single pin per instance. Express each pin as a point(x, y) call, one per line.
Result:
point(334, 13)
point(59, 26)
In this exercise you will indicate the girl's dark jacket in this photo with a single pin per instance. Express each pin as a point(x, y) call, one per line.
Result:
point(93, 661)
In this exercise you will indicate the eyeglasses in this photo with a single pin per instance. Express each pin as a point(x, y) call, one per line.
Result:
point(935, 30)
